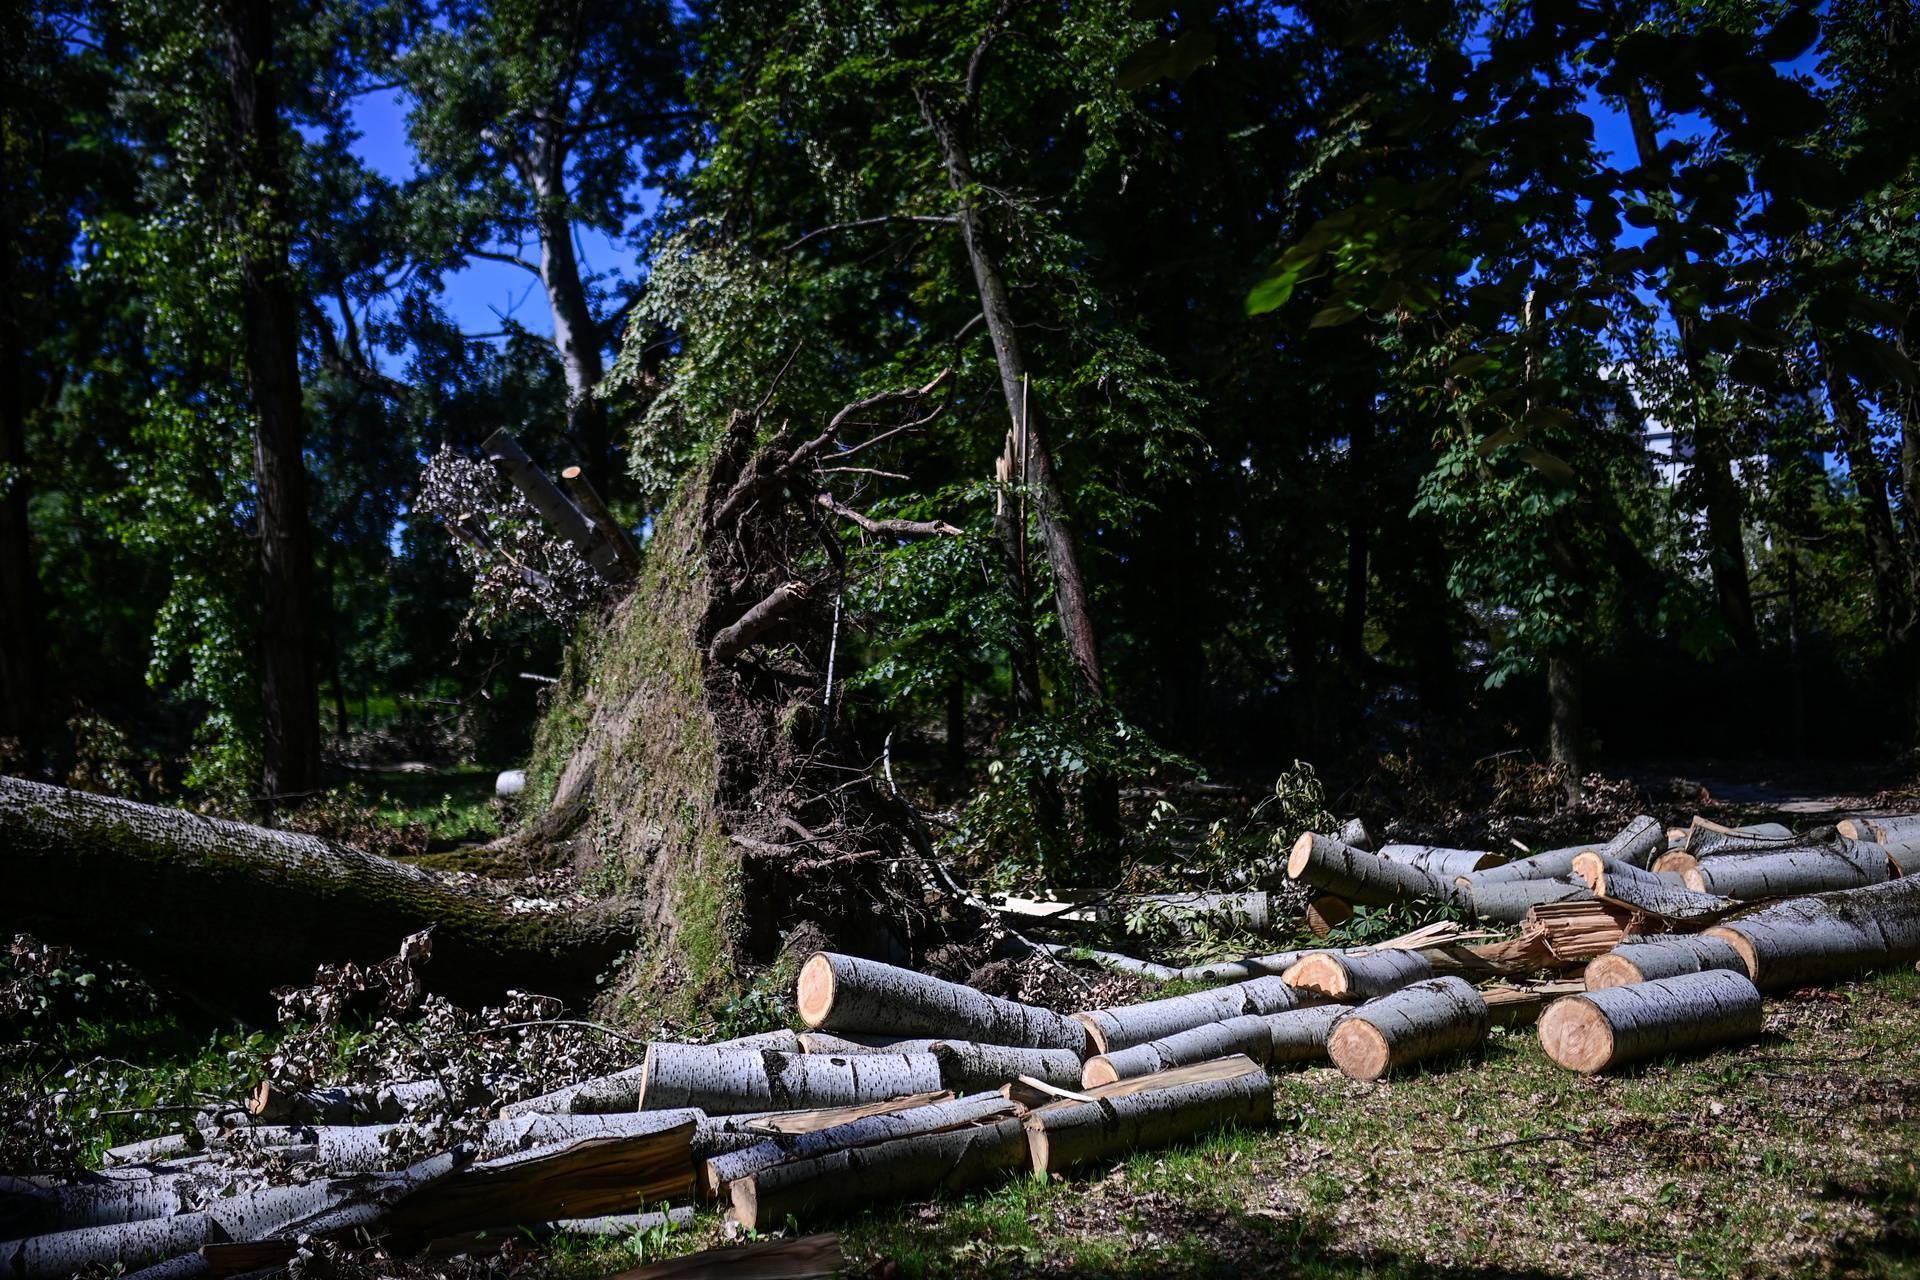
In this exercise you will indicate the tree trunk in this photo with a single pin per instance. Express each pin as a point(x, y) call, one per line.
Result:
point(1841, 865)
point(233, 910)
point(1662, 895)
point(1663, 957)
point(1300, 1035)
point(966, 1067)
point(1444, 865)
point(289, 690)
point(1123, 1026)
point(1827, 936)
point(1164, 1109)
point(1509, 901)
point(1605, 1028)
point(1359, 876)
point(1443, 1015)
point(1358, 976)
point(1247, 1034)
point(22, 698)
point(1566, 731)
point(845, 993)
point(730, 1081)
point(575, 334)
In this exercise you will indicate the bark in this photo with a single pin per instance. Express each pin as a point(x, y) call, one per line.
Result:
point(905, 1168)
point(290, 696)
point(1509, 902)
point(1439, 1016)
point(576, 335)
point(31, 1207)
point(1354, 832)
point(21, 696)
point(822, 1042)
point(567, 520)
point(1566, 722)
point(966, 1067)
point(1351, 976)
point(843, 993)
point(1709, 839)
point(1269, 966)
point(620, 1091)
point(588, 499)
point(803, 1258)
point(1720, 489)
point(1841, 865)
point(1828, 936)
point(1247, 1034)
point(344, 1104)
point(1664, 957)
point(827, 1117)
point(1638, 843)
point(729, 1081)
point(866, 1132)
point(1300, 1035)
point(1660, 894)
point(66, 1253)
point(1444, 865)
point(232, 910)
point(1359, 876)
point(1064, 1134)
point(1124, 1026)
point(1602, 1029)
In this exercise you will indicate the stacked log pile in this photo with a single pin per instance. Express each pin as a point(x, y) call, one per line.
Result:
point(904, 1085)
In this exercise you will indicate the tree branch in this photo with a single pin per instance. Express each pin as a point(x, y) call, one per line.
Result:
point(359, 371)
point(932, 219)
point(733, 640)
point(511, 259)
point(889, 528)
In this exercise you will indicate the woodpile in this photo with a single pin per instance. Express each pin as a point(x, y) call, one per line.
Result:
point(905, 1085)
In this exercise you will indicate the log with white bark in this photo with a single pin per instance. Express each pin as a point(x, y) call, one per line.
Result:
point(903, 1168)
point(62, 1254)
point(1441, 863)
point(841, 993)
point(1827, 936)
point(1508, 902)
point(1359, 876)
point(775, 1122)
point(1354, 832)
point(1638, 843)
point(554, 506)
point(1705, 838)
point(825, 1042)
point(864, 1132)
point(1247, 1034)
point(1300, 1035)
point(620, 1091)
point(1605, 1028)
point(1357, 975)
point(1270, 966)
point(231, 910)
point(1180, 911)
point(1549, 864)
point(1132, 966)
point(1162, 1110)
point(728, 1081)
point(30, 1207)
point(1665, 956)
point(966, 1067)
point(1439, 1016)
point(1664, 895)
point(148, 1150)
point(1123, 1026)
point(1841, 864)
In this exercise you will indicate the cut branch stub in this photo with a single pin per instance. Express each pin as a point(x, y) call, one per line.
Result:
point(554, 506)
point(731, 641)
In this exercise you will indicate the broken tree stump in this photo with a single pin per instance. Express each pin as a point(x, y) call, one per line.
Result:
point(1605, 1028)
point(1425, 1020)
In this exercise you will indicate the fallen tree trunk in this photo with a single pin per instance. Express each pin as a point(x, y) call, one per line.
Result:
point(1637, 843)
point(825, 1042)
point(1247, 1034)
point(843, 993)
point(66, 1253)
point(1509, 901)
point(231, 910)
point(1300, 1035)
point(904, 1168)
point(777, 1122)
point(1123, 1026)
point(1841, 865)
point(1441, 1015)
point(1605, 1028)
point(1552, 864)
point(1670, 956)
point(865, 1132)
point(1707, 839)
point(1827, 936)
point(966, 1067)
point(1350, 976)
point(620, 1091)
point(730, 1081)
point(1442, 864)
point(1359, 876)
point(1164, 1109)
point(1654, 893)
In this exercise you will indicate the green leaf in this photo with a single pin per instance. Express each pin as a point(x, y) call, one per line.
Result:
point(1337, 314)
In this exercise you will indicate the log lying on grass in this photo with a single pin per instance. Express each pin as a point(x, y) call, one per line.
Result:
point(620, 1091)
point(232, 910)
point(730, 1081)
point(1442, 864)
point(1357, 975)
point(1158, 1109)
point(843, 993)
point(1827, 936)
point(1124, 1026)
point(966, 1067)
point(1441, 1015)
point(864, 1132)
point(1841, 864)
point(1666, 956)
point(903, 1168)
point(1247, 1034)
point(1359, 876)
point(1300, 1035)
point(1653, 893)
point(1605, 1028)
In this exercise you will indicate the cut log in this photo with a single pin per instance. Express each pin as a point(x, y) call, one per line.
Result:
point(1706, 839)
point(128, 1244)
point(730, 1081)
point(1064, 1134)
point(842, 993)
point(1438, 1016)
point(1442, 864)
point(905, 1168)
point(344, 1104)
point(620, 1091)
point(554, 507)
point(1359, 876)
point(1241, 970)
point(31, 1207)
point(1112, 960)
point(1509, 901)
point(1827, 936)
point(1654, 893)
point(825, 1042)
point(1551, 864)
point(802, 1258)
point(232, 910)
point(1327, 913)
point(966, 1067)
point(1247, 1034)
point(865, 1132)
point(1300, 1035)
point(827, 1117)
point(1354, 832)
point(1180, 911)
point(1638, 843)
point(1601, 1029)
point(147, 1150)
point(1124, 1026)
point(1667, 956)
point(1674, 862)
point(604, 524)
point(1357, 975)
point(1838, 865)
point(1509, 1006)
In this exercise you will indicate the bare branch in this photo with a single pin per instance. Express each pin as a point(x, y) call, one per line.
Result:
point(889, 528)
point(731, 641)
point(511, 259)
point(864, 471)
point(941, 219)
point(333, 358)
